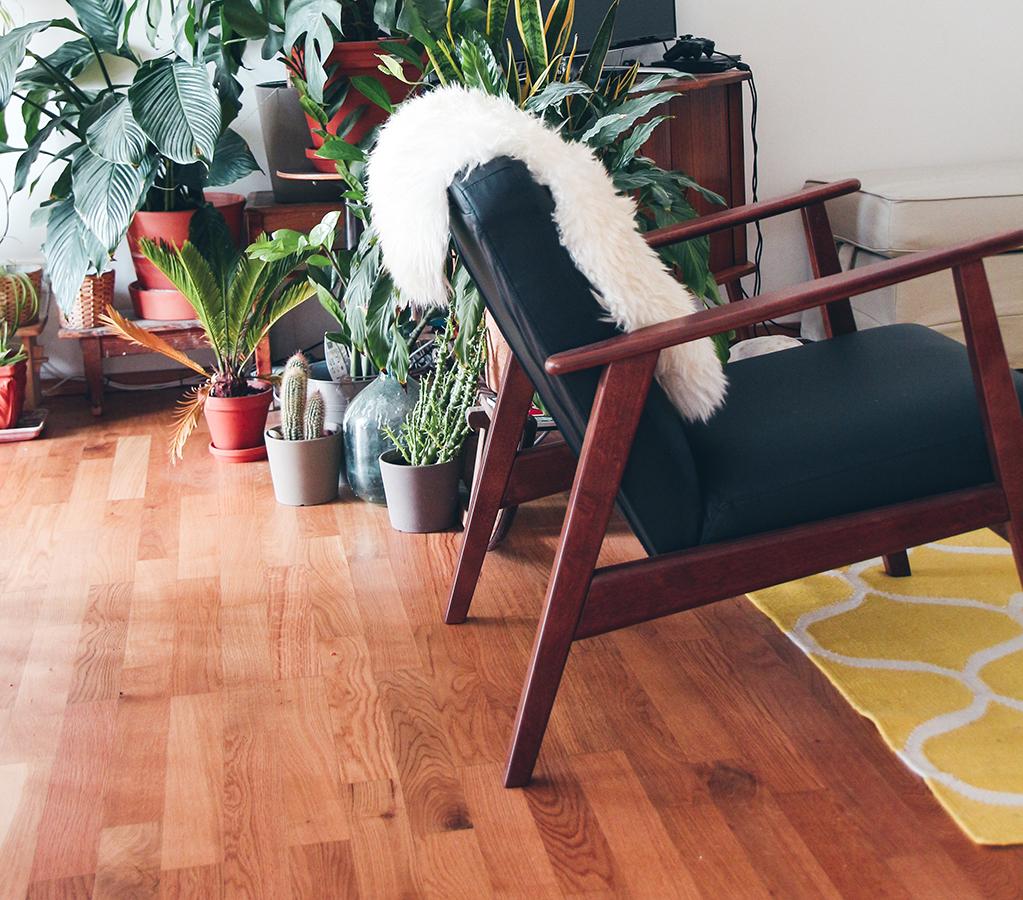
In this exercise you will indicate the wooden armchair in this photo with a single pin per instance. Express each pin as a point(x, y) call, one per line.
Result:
point(858, 446)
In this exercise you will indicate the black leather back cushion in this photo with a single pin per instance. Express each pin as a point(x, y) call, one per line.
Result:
point(501, 221)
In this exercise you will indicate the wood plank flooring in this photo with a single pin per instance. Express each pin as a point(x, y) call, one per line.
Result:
point(204, 694)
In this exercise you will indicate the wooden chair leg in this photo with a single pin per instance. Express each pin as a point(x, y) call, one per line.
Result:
point(897, 565)
point(513, 402)
point(619, 403)
point(996, 394)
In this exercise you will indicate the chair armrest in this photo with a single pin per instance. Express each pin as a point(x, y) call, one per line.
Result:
point(751, 212)
point(778, 303)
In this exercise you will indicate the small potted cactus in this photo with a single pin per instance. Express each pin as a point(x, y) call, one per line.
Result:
point(304, 451)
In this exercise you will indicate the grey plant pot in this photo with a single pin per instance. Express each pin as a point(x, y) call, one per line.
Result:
point(420, 498)
point(286, 137)
point(336, 394)
point(305, 473)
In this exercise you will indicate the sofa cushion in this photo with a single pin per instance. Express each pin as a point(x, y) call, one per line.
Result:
point(904, 210)
point(860, 421)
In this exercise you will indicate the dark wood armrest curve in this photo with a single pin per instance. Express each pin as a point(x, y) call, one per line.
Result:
point(751, 212)
point(778, 303)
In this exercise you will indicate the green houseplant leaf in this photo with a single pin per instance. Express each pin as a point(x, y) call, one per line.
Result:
point(314, 20)
point(232, 159)
point(107, 194)
point(101, 20)
point(71, 251)
point(114, 135)
point(177, 107)
point(12, 53)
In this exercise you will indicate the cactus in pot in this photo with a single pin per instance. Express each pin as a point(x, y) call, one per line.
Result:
point(304, 452)
point(315, 409)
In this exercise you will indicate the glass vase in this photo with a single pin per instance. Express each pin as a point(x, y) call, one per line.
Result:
point(385, 403)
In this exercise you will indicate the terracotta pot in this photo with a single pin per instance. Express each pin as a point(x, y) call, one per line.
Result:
point(420, 499)
point(350, 58)
point(237, 423)
point(172, 227)
point(160, 304)
point(12, 393)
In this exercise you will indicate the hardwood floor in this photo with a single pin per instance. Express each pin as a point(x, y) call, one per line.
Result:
point(204, 694)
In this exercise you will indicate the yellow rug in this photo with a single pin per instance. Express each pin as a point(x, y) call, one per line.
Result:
point(935, 661)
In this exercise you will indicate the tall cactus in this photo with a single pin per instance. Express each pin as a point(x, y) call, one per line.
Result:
point(315, 410)
point(293, 397)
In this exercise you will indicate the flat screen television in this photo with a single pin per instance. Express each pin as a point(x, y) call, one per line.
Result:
point(637, 22)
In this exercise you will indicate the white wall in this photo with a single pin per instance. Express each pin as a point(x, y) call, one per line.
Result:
point(848, 87)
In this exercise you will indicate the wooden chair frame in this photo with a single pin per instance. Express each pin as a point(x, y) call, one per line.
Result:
point(583, 601)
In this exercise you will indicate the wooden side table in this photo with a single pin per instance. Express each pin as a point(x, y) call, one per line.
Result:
point(102, 343)
point(29, 336)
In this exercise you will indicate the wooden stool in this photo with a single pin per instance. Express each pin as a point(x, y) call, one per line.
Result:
point(29, 336)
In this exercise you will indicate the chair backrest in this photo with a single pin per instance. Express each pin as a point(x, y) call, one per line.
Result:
point(502, 225)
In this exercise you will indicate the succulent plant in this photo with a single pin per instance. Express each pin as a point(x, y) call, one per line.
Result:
point(294, 384)
point(315, 409)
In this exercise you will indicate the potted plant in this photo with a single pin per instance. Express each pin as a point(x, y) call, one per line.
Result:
point(421, 473)
point(305, 450)
point(376, 336)
point(20, 285)
point(13, 369)
point(136, 153)
point(332, 50)
point(237, 298)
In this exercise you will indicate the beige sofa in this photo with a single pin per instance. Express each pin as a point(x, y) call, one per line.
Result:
point(904, 210)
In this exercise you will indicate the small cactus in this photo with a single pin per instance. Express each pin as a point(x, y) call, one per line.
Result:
point(314, 413)
point(293, 397)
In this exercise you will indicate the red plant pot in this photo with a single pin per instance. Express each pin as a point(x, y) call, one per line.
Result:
point(160, 304)
point(237, 423)
point(172, 228)
point(12, 393)
point(350, 58)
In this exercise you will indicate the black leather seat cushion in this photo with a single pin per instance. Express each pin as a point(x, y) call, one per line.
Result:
point(860, 421)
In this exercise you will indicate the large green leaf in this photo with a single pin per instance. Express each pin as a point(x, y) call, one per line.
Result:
point(554, 93)
point(102, 20)
point(313, 20)
point(594, 65)
point(423, 19)
point(114, 135)
point(12, 54)
point(373, 91)
point(31, 154)
point(71, 58)
point(529, 19)
point(232, 159)
point(107, 195)
point(497, 18)
point(480, 68)
point(71, 250)
point(609, 128)
point(177, 107)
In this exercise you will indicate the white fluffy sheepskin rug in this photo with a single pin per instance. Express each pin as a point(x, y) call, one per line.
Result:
point(430, 140)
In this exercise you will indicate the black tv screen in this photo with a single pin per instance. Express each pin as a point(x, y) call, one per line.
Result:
point(637, 22)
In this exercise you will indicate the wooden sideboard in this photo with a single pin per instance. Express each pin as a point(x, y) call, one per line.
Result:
point(705, 139)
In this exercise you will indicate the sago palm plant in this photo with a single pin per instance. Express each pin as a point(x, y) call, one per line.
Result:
point(237, 298)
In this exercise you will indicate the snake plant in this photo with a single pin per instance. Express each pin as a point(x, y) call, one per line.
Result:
point(608, 110)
